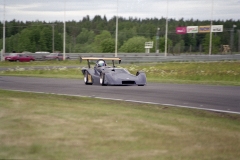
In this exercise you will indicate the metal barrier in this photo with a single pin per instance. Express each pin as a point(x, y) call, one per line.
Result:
point(142, 57)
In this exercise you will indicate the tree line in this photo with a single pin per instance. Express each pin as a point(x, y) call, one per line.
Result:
point(97, 35)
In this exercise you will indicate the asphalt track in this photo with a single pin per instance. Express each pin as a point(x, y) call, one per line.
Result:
point(207, 97)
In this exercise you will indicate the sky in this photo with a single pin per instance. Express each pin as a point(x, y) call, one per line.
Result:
point(68, 10)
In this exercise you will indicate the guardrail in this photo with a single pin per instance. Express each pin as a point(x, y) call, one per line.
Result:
point(143, 57)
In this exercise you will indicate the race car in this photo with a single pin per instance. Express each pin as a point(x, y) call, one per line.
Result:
point(104, 75)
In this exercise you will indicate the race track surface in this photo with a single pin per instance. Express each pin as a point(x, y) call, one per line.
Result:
point(210, 97)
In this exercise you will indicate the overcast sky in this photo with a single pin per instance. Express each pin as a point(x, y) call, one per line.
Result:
point(52, 10)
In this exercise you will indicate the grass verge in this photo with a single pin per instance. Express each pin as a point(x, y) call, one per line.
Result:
point(45, 126)
point(218, 73)
point(41, 63)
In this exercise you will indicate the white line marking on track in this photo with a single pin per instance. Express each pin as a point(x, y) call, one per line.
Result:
point(134, 101)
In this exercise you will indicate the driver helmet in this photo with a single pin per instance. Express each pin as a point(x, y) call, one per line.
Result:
point(100, 63)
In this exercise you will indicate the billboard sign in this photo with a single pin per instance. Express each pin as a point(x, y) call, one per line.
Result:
point(204, 29)
point(192, 29)
point(217, 28)
point(181, 30)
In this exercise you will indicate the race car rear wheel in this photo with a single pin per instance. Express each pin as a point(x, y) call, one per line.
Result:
point(102, 79)
point(87, 78)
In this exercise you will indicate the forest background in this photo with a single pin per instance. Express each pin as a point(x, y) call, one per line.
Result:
point(97, 35)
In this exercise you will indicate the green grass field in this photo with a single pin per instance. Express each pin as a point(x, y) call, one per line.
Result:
point(45, 126)
point(218, 73)
point(40, 63)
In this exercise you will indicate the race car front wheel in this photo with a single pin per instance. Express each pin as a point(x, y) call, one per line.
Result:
point(87, 78)
point(102, 79)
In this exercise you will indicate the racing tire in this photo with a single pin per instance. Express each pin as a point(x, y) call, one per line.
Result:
point(86, 75)
point(102, 79)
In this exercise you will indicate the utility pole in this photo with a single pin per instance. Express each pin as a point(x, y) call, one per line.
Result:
point(232, 38)
point(157, 40)
point(3, 49)
point(64, 32)
point(210, 41)
point(53, 47)
point(239, 40)
point(116, 37)
point(166, 33)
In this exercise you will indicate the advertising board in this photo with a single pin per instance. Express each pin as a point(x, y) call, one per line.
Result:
point(204, 29)
point(192, 29)
point(181, 30)
point(217, 28)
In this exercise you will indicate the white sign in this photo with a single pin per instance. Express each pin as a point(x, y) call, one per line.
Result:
point(217, 28)
point(148, 44)
point(192, 29)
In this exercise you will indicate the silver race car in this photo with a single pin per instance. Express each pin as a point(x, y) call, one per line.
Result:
point(110, 75)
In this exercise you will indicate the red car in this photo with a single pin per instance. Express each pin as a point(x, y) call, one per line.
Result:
point(55, 56)
point(19, 57)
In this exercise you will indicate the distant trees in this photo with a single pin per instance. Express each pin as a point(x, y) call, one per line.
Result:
point(84, 41)
point(100, 39)
point(98, 35)
point(108, 45)
point(216, 42)
point(32, 39)
point(134, 45)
